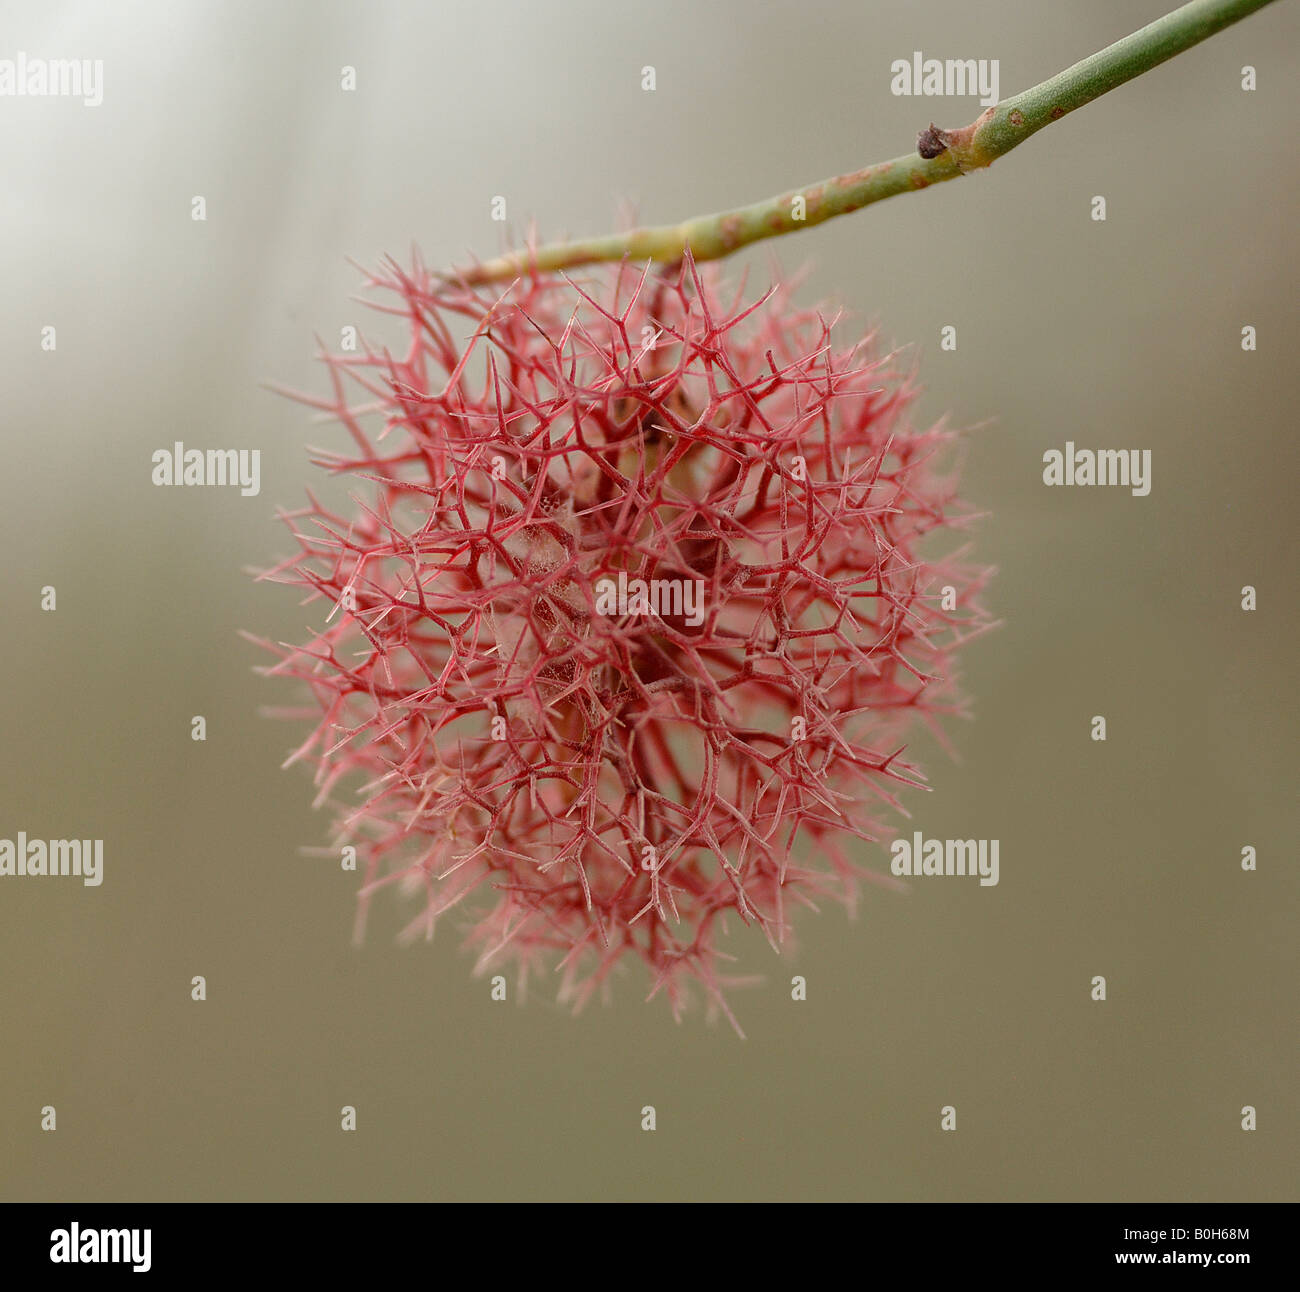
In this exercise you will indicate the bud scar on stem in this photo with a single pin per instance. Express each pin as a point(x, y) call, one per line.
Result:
point(940, 155)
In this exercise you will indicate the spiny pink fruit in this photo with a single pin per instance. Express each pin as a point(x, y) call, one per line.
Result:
point(628, 636)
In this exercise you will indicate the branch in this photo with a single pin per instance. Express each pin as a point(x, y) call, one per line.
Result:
point(941, 155)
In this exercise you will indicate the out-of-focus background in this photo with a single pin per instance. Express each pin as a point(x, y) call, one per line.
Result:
point(1119, 859)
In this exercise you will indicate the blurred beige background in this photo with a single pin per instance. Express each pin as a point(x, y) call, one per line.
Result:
point(1118, 859)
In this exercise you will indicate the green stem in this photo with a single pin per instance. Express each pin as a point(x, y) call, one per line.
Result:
point(996, 132)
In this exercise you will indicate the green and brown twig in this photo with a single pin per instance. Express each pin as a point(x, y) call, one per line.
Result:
point(941, 155)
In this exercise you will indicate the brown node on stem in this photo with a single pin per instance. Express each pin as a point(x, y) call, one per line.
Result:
point(932, 141)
